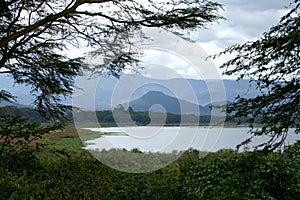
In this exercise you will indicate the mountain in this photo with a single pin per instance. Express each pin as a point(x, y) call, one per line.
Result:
point(14, 104)
point(110, 91)
point(156, 101)
point(105, 93)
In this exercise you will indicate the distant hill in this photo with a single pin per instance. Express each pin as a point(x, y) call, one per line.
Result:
point(14, 104)
point(199, 90)
point(170, 104)
point(27, 112)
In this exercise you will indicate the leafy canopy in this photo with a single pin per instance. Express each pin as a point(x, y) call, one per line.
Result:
point(34, 33)
point(273, 63)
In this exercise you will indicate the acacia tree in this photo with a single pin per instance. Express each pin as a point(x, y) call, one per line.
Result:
point(273, 63)
point(34, 33)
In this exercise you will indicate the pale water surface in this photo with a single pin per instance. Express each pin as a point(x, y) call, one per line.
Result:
point(168, 139)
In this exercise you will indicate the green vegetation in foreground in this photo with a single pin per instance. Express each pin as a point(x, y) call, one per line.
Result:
point(63, 170)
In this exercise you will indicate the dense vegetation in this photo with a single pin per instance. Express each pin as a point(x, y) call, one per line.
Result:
point(141, 118)
point(32, 33)
point(29, 113)
point(61, 170)
point(105, 118)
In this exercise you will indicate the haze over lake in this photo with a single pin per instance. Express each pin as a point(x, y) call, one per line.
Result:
point(168, 139)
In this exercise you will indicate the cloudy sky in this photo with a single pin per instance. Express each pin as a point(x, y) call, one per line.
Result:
point(245, 20)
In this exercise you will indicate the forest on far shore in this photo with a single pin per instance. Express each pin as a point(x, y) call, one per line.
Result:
point(108, 118)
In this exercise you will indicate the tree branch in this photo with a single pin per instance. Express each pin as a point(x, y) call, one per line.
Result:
point(5, 72)
point(49, 18)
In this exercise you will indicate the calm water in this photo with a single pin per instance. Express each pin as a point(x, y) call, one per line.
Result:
point(168, 139)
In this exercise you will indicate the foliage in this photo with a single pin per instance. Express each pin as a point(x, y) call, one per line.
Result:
point(68, 173)
point(140, 118)
point(272, 62)
point(16, 134)
point(14, 186)
point(34, 35)
point(106, 118)
point(249, 175)
point(29, 113)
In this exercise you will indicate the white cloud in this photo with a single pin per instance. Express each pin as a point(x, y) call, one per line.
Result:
point(258, 5)
point(163, 65)
point(77, 52)
point(245, 20)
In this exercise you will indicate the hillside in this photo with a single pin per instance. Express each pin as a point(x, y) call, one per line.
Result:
point(102, 96)
point(152, 99)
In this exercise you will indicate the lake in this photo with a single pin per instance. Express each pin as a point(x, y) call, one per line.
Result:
point(168, 139)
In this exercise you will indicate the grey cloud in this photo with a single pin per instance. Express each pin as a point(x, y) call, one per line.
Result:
point(258, 5)
point(245, 20)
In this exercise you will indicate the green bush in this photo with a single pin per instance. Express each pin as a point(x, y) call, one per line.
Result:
point(17, 135)
point(58, 173)
point(248, 175)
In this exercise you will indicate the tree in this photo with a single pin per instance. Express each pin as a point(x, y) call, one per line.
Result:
point(16, 134)
point(34, 33)
point(273, 63)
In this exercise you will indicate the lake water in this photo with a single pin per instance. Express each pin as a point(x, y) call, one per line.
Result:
point(168, 139)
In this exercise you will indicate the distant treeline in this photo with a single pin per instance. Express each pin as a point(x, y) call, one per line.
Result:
point(120, 116)
point(27, 112)
point(140, 118)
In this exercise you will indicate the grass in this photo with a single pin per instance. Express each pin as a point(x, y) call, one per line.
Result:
point(63, 170)
point(68, 139)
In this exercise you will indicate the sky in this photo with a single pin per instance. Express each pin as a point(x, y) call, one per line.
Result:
point(246, 20)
